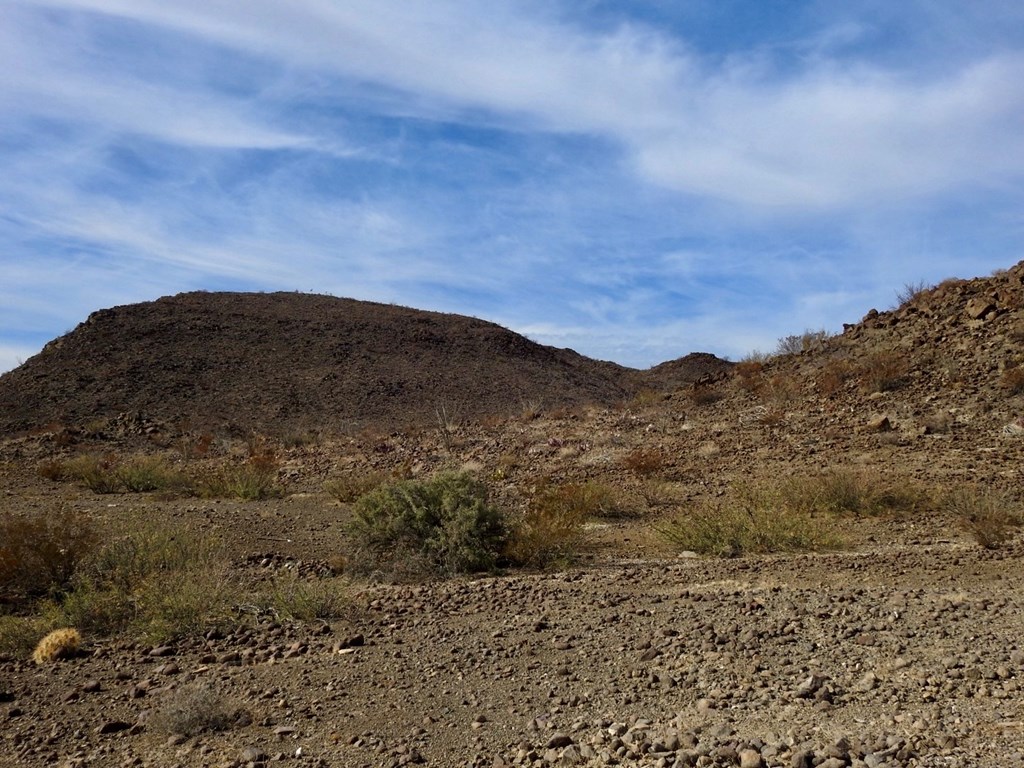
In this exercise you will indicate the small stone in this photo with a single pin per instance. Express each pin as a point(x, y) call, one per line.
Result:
point(252, 755)
point(750, 758)
point(113, 726)
point(91, 686)
point(161, 650)
point(558, 741)
point(879, 424)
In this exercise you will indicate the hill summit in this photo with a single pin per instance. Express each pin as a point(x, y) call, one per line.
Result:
point(282, 361)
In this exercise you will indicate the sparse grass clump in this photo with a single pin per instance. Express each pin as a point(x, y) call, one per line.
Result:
point(97, 473)
point(884, 371)
point(143, 474)
point(990, 517)
point(755, 520)
point(254, 480)
point(551, 528)
point(796, 514)
point(191, 711)
point(414, 529)
point(348, 488)
point(848, 493)
point(300, 599)
point(155, 583)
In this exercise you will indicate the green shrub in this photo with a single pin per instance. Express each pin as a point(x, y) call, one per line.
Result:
point(441, 526)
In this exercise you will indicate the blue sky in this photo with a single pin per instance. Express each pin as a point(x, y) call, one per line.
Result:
point(635, 180)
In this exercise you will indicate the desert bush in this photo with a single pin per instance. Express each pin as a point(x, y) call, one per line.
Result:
point(40, 555)
point(1012, 380)
point(254, 480)
point(910, 292)
point(643, 463)
point(834, 375)
point(440, 526)
point(884, 371)
point(150, 473)
point(805, 342)
point(349, 487)
point(845, 492)
point(753, 520)
point(703, 394)
point(749, 374)
point(154, 583)
point(97, 473)
point(293, 597)
point(193, 710)
point(989, 516)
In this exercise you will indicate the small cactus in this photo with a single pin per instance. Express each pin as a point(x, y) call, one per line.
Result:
point(59, 644)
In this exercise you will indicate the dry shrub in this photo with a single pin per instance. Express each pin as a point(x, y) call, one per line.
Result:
point(550, 530)
point(989, 516)
point(845, 492)
point(191, 711)
point(1012, 380)
point(805, 342)
point(749, 374)
point(884, 371)
point(910, 292)
point(98, 473)
point(754, 520)
point(702, 394)
point(254, 480)
point(833, 376)
point(780, 392)
point(349, 487)
point(643, 463)
point(41, 555)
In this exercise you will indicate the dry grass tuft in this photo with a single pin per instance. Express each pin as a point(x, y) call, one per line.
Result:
point(194, 710)
point(992, 518)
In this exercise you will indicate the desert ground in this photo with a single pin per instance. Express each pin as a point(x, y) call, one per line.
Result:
point(863, 609)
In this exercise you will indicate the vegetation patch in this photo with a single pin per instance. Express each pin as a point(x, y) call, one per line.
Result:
point(348, 488)
point(551, 528)
point(191, 711)
point(412, 529)
point(990, 517)
point(255, 480)
point(754, 521)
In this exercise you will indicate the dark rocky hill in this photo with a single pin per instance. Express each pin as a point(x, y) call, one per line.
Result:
point(282, 361)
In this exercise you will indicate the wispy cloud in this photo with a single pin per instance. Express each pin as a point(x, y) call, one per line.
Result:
point(635, 183)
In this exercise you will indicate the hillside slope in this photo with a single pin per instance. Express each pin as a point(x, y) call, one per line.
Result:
point(283, 361)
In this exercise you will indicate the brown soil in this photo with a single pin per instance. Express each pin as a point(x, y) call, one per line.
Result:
point(902, 650)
